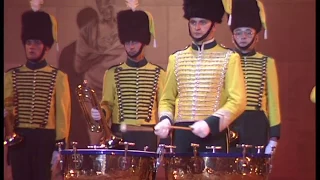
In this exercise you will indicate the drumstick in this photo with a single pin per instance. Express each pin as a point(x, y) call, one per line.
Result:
point(124, 128)
point(181, 128)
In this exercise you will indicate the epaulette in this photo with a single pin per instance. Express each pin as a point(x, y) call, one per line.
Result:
point(115, 65)
point(14, 68)
point(263, 55)
point(181, 49)
point(157, 65)
point(225, 47)
point(57, 69)
point(54, 67)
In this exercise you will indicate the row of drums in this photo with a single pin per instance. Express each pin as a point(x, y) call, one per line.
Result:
point(99, 163)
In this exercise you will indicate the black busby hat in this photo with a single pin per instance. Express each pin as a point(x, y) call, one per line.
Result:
point(247, 13)
point(38, 25)
point(133, 26)
point(207, 9)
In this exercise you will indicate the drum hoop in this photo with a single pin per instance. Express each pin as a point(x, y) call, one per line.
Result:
point(223, 155)
point(109, 152)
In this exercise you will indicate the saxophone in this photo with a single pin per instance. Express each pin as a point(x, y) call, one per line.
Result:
point(87, 99)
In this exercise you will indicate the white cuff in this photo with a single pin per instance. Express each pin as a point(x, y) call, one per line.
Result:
point(165, 113)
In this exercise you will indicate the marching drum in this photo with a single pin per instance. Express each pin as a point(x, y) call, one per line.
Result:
point(219, 166)
point(105, 164)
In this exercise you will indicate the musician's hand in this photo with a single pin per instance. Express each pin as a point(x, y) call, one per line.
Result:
point(200, 128)
point(5, 113)
point(162, 128)
point(95, 114)
point(272, 144)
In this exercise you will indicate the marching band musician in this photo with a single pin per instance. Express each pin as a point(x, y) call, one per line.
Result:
point(204, 88)
point(37, 96)
point(313, 95)
point(132, 90)
point(260, 124)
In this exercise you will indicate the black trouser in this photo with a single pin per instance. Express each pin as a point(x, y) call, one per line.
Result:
point(141, 139)
point(31, 158)
point(252, 128)
point(182, 139)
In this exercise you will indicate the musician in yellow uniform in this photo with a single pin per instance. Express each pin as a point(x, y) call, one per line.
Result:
point(204, 87)
point(37, 98)
point(132, 90)
point(313, 95)
point(260, 124)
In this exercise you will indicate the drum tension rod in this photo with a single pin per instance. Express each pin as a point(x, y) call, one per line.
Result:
point(213, 148)
point(195, 150)
point(259, 149)
point(244, 148)
point(160, 153)
point(126, 147)
point(170, 147)
point(59, 150)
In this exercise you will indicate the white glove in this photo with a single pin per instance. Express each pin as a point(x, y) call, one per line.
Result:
point(95, 114)
point(200, 128)
point(5, 113)
point(271, 144)
point(55, 159)
point(162, 128)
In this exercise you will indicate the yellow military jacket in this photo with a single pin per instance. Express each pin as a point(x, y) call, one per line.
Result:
point(202, 81)
point(261, 80)
point(131, 92)
point(39, 98)
point(313, 95)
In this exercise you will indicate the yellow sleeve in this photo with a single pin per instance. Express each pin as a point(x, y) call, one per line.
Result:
point(273, 98)
point(8, 92)
point(108, 93)
point(168, 98)
point(63, 107)
point(234, 90)
point(161, 82)
point(313, 95)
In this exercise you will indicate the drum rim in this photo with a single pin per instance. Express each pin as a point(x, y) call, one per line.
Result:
point(217, 154)
point(109, 152)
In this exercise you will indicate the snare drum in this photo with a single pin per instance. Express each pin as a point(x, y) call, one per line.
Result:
point(98, 164)
point(222, 166)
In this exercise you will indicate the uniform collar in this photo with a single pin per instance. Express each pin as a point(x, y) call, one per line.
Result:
point(205, 45)
point(139, 64)
point(251, 53)
point(36, 65)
